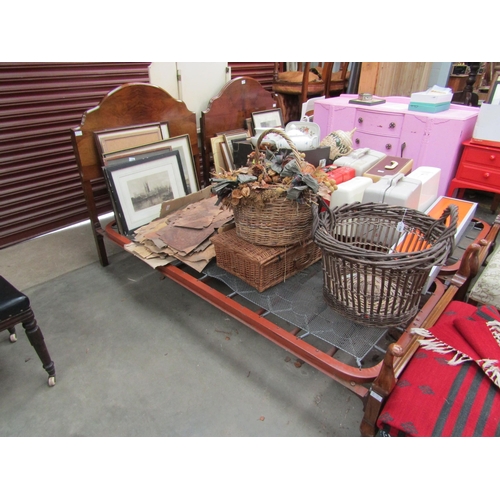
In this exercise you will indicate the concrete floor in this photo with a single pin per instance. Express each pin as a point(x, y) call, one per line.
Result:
point(137, 355)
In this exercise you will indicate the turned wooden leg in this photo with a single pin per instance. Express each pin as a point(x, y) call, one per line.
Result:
point(36, 339)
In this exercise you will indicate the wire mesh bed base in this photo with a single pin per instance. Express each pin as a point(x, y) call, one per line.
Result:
point(299, 301)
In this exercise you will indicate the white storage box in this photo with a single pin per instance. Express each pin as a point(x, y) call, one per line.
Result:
point(394, 190)
point(487, 128)
point(360, 160)
point(435, 95)
point(429, 177)
point(350, 191)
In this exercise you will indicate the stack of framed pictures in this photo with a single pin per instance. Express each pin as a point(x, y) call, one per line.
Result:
point(144, 167)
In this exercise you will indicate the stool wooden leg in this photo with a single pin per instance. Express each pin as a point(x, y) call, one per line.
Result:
point(13, 335)
point(36, 339)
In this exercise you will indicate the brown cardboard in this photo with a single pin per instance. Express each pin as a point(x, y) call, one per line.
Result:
point(171, 206)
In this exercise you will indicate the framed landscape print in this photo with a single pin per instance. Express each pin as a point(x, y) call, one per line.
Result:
point(139, 188)
point(271, 118)
point(180, 143)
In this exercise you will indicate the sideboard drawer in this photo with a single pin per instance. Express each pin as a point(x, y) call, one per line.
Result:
point(479, 174)
point(387, 145)
point(378, 123)
point(487, 158)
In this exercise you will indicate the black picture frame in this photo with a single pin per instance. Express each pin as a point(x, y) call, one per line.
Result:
point(138, 188)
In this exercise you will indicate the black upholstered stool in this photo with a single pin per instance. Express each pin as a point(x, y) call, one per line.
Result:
point(15, 309)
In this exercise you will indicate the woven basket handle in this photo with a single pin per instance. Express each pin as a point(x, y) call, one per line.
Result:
point(316, 220)
point(294, 149)
point(450, 211)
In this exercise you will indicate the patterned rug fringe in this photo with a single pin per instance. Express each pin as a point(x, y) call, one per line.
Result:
point(489, 366)
point(494, 327)
point(431, 343)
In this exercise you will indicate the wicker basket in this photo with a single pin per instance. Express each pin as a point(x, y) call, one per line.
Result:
point(278, 221)
point(259, 266)
point(377, 259)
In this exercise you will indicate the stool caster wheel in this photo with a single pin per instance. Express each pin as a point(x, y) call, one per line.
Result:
point(52, 381)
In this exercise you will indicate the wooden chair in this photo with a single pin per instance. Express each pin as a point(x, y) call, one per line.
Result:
point(294, 88)
point(339, 80)
point(128, 105)
point(390, 406)
point(15, 309)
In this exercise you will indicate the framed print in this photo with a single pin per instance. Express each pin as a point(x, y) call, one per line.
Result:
point(118, 139)
point(271, 118)
point(135, 153)
point(226, 157)
point(494, 93)
point(229, 137)
point(182, 144)
point(139, 188)
point(217, 153)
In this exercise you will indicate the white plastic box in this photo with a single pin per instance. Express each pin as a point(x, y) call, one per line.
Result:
point(350, 191)
point(429, 177)
point(394, 190)
point(360, 160)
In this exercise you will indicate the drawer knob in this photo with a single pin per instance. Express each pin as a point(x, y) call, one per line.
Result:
point(392, 125)
point(486, 175)
point(492, 157)
point(388, 146)
point(360, 120)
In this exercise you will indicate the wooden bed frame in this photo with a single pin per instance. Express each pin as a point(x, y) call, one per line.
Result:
point(135, 104)
point(129, 105)
point(228, 110)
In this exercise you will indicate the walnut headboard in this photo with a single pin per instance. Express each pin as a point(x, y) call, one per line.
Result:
point(128, 105)
point(229, 109)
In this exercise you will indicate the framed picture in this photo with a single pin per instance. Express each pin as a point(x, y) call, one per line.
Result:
point(271, 118)
point(226, 156)
point(231, 137)
point(494, 93)
point(217, 153)
point(140, 152)
point(180, 143)
point(119, 139)
point(138, 188)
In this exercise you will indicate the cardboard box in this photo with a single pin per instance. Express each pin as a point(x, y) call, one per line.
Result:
point(487, 128)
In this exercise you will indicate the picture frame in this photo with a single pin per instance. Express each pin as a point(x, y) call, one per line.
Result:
point(218, 159)
point(269, 118)
point(156, 148)
point(182, 144)
point(138, 188)
point(494, 93)
point(119, 139)
point(179, 143)
point(231, 137)
point(226, 156)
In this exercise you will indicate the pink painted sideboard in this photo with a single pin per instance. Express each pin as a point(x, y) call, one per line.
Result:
point(430, 139)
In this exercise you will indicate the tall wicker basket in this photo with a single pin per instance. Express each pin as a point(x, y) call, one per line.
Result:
point(277, 221)
point(377, 258)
